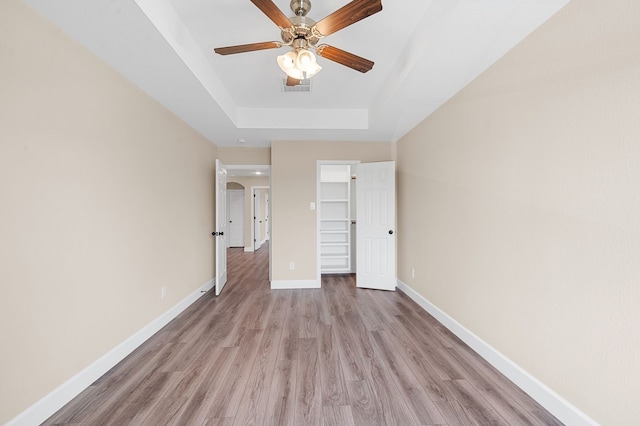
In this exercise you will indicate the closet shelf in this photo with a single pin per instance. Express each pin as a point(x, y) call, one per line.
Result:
point(334, 213)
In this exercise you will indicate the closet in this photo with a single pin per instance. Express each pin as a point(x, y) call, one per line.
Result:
point(336, 188)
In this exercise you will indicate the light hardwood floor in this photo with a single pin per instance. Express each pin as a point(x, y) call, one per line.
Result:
point(332, 356)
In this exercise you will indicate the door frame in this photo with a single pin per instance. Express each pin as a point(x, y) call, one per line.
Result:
point(253, 211)
point(229, 210)
point(317, 206)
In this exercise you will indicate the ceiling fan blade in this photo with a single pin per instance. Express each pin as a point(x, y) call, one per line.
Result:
point(347, 15)
point(273, 12)
point(241, 48)
point(293, 81)
point(344, 58)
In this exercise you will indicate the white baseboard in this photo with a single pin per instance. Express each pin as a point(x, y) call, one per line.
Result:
point(554, 403)
point(293, 284)
point(248, 249)
point(56, 399)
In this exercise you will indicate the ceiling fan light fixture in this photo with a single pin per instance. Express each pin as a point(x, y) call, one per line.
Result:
point(287, 61)
point(312, 70)
point(306, 62)
point(294, 73)
point(300, 64)
point(305, 59)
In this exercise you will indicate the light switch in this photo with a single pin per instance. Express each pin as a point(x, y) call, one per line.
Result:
point(312, 206)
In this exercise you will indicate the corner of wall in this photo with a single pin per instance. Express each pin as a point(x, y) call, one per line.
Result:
point(554, 403)
point(59, 397)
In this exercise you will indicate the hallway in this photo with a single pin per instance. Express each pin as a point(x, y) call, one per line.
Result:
point(331, 356)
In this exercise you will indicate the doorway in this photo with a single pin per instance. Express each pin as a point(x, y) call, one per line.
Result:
point(260, 206)
point(356, 221)
point(247, 179)
point(235, 214)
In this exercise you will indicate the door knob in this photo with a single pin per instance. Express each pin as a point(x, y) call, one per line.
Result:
point(390, 232)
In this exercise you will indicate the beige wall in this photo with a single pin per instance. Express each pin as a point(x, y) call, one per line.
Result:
point(519, 207)
point(247, 182)
point(106, 198)
point(293, 187)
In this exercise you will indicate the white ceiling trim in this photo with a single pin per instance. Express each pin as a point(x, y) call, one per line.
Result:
point(164, 17)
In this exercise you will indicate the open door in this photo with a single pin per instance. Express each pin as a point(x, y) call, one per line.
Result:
point(375, 226)
point(221, 226)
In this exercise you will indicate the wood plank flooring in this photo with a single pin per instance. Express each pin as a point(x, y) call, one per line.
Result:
point(332, 356)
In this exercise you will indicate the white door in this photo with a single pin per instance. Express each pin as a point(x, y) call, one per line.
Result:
point(221, 226)
point(257, 220)
point(375, 226)
point(236, 218)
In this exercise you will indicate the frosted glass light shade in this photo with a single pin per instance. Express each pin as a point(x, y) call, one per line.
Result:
point(306, 61)
point(287, 61)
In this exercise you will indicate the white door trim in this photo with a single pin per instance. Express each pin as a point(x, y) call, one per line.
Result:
point(253, 209)
point(318, 164)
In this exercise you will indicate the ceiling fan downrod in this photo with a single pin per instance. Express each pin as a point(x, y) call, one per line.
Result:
point(300, 7)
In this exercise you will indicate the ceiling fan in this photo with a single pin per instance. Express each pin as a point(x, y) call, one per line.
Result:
point(302, 33)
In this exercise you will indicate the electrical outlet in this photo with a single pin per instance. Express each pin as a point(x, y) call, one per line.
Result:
point(413, 272)
point(292, 266)
point(163, 292)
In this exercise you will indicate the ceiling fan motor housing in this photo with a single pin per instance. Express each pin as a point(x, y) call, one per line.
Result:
point(301, 30)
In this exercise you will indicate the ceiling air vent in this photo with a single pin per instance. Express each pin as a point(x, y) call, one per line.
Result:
point(303, 87)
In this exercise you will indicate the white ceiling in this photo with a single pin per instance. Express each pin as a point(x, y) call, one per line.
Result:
point(424, 52)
